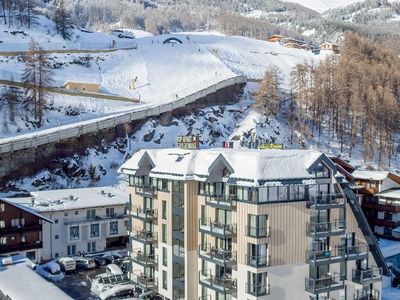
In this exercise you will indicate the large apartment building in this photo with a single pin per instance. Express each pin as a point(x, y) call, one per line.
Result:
point(83, 220)
point(247, 224)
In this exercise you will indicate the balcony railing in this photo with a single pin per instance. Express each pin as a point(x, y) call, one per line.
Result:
point(259, 261)
point(144, 259)
point(381, 206)
point(326, 229)
point(144, 213)
point(97, 219)
point(258, 232)
point(257, 289)
point(221, 284)
point(383, 222)
point(144, 236)
point(21, 228)
point(222, 201)
point(358, 251)
point(366, 295)
point(21, 247)
point(367, 276)
point(327, 201)
point(326, 256)
point(325, 284)
point(145, 190)
point(217, 228)
point(145, 280)
point(217, 255)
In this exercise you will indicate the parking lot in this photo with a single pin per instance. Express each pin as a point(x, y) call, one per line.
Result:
point(77, 285)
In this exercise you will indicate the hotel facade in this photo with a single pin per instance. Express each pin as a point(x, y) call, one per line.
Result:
point(247, 224)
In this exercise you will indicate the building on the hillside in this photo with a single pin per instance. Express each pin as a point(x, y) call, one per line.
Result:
point(172, 40)
point(380, 200)
point(329, 47)
point(82, 86)
point(20, 230)
point(83, 220)
point(275, 38)
point(248, 224)
point(18, 281)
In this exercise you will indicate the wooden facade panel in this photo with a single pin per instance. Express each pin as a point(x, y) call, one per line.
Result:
point(191, 216)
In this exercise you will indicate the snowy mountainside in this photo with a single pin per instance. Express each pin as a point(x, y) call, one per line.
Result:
point(323, 5)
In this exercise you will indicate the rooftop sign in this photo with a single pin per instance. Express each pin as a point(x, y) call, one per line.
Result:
point(270, 146)
point(189, 142)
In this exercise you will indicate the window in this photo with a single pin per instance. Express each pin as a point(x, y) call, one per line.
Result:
point(91, 214)
point(94, 230)
point(74, 233)
point(204, 268)
point(257, 283)
point(162, 185)
point(201, 188)
point(56, 237)
point(257, 226)
point(2, 224)
point(56, 221)
point(109, 212)
point(3, 241)
point(388, 216)
point(65, 214)
point(15, 223)
point(56, 254)
point(321, 171)
point(257, 255)
point(31, 255)
point(164, 257)
point(91, 247)
point(71, 250)
point(76, 213)
point(164, 210)
point(2, 207)
point(164, 280)
point(164, 233)
point(204, 218)
point(283, 193)
point(113, 227)
point(387, 231)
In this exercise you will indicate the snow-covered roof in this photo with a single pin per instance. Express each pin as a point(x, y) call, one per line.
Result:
point(393, 193)
point(20, 282)
point(27, 209)
point(72, 199)
point(80, 82)
point(389, 248)
point(249, 166)
point(370, 175)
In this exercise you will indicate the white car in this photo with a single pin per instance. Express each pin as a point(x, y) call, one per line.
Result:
point(126, 291)
point(113, 269)
point(67, 264)
point(85, 263)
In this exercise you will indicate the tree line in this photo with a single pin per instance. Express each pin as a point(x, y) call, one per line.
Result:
point(353, 97)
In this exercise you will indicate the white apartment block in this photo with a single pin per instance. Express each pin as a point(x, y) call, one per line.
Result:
point(84, 220)
point(248, 224)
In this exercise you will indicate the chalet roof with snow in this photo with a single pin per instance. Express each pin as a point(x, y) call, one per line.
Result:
point(393, 193)
point(370, 175)
point(72, 199)
point(245, 166)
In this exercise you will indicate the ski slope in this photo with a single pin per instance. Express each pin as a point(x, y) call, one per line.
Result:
point(323, 5)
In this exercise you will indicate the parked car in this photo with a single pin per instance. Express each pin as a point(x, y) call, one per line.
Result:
point(99, 261)
point(52, 267)
point(110, 258)
point(85, 263)
point(126, 291)
point(113, 269)
point(67, 264)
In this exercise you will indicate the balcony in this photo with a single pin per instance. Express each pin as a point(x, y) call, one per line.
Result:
point(217, 255)
point(359, 251)
point(381, 207)
point(319, 230)
point(21, 247)
point(328, 256)
point(144, 236)
point(144, 214)
point(222, 284)
point(258, 232)
point(178, 207)
point(179, 282)
point(21, 228)
point(257, 290)
point(327, 201)
point(383, 222)
point(145, 191)
point(97, 219)
point(178, 254)
point(217, 229)
point(366, 276)
point(146, 281)
point(260, 261)
point(144, 259)
point(222, 201)
point(326, 284)
point(366, 295)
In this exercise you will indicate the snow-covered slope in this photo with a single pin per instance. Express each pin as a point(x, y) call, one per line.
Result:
point(323, 5)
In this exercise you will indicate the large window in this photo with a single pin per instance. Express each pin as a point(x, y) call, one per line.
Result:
point(71, 250)
point(257, 284)
point(257, 255)
point(257, 226)
point(162, 185)
point(164, 233)
point(164, 257)
point(113, 228)
point(74, 233)
point(2, 207)
point(110, 212)
point(164, 210)
point(94, 230)
point(321, 171)
point(91, 214)
point(165, 280)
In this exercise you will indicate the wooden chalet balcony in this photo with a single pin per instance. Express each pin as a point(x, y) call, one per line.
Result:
point(381, 207)
point(21, 228)
point(21, 247)
point(382, 222)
